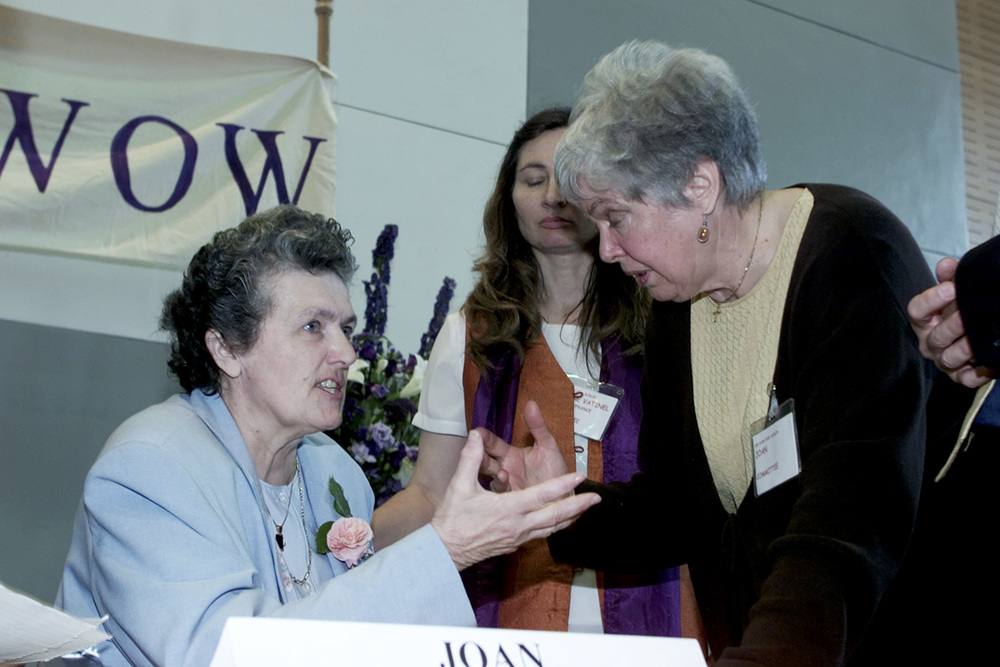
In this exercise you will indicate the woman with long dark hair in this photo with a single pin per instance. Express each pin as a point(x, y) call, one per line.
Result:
point(545, 321)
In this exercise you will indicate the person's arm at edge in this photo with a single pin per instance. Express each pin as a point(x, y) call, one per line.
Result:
point(977, 287)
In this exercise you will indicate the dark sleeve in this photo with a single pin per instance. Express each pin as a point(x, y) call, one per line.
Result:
point(977, 284)
point(670, 505)
point(851, 362)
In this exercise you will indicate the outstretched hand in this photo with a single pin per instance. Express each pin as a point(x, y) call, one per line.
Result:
point(514, 468)
point(475, 524)
point(935, 319)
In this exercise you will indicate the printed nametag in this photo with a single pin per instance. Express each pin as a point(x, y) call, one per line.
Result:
point(263, 642)
point(776, 450)
point(594, 403)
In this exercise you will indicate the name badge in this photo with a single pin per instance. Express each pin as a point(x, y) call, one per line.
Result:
point(594, 403)
point(776, 449)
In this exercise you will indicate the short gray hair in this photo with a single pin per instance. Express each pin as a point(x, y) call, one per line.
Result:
point(648, 115)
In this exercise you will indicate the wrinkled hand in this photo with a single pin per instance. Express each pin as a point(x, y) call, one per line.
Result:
point(935, 319)
point(475, 524)
point(509, 467)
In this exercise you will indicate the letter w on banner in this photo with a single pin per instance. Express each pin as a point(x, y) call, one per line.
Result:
point(135, 149)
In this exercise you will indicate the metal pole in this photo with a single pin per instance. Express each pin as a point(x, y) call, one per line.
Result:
point(324, 10)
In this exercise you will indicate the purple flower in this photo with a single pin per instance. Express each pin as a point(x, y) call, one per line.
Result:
point(441, 305)
point(368, 350)
point(381, 435)
point(384, 250)
point(362, 453)
point(377, 306)
point(377, 289)
point(399, 409)
point(393, 485)
point(351, 412)
point(411, 363)
point(387, 462)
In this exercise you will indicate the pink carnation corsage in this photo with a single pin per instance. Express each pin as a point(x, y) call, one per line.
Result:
point(349, 540)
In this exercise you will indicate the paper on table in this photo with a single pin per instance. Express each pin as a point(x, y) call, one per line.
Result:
point(31, 631)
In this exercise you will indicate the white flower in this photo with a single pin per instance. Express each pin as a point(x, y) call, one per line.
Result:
point(405, 472)
point(416, 382)
point(381, 365)
point(355, 372)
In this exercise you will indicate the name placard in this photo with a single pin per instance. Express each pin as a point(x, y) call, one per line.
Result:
point(248, 642)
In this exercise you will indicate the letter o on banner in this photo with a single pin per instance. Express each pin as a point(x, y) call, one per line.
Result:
point(119, 162)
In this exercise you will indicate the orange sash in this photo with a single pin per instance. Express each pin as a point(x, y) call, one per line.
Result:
point(536, 589)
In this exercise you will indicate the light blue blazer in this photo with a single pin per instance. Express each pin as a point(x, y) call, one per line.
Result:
point(170, 541)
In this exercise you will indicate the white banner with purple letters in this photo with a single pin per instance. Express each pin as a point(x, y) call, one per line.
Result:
point(133, 149)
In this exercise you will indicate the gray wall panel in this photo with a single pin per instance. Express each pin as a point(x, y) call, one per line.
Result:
point(833, 107)
point(924, 29)
point(61, 394)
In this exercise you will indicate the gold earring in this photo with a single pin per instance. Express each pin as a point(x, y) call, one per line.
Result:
point(703, 230)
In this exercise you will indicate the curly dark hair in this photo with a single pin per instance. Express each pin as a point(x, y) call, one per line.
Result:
point(225, 285)
point(503, 307)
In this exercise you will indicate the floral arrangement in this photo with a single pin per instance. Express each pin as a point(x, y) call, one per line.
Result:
point(384, 384)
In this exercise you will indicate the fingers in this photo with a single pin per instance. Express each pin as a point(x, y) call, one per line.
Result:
point(491, 465)
point(469, 462)
point(955, 356)
point(536, 424)
point(501, 482)
point(531, 499)
point(971, 376)
point(940, 330)
point(945, 269)
point(548, 461)
point(556, 488)
point(947, 342)
point(559, 515)
point(475, 525)
point(493, 444)
point(925, 307)
point(495, 448)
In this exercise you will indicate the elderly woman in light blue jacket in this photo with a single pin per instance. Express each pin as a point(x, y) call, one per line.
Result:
point(208, 505)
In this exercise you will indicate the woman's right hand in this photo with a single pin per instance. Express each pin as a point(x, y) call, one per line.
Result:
point(475, 524)
point(516, 468)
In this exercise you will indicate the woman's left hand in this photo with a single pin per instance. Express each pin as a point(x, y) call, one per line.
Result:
point(475, 524)
point(509, 467)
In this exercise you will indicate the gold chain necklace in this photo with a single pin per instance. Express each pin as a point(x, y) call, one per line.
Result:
point(746, 269)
